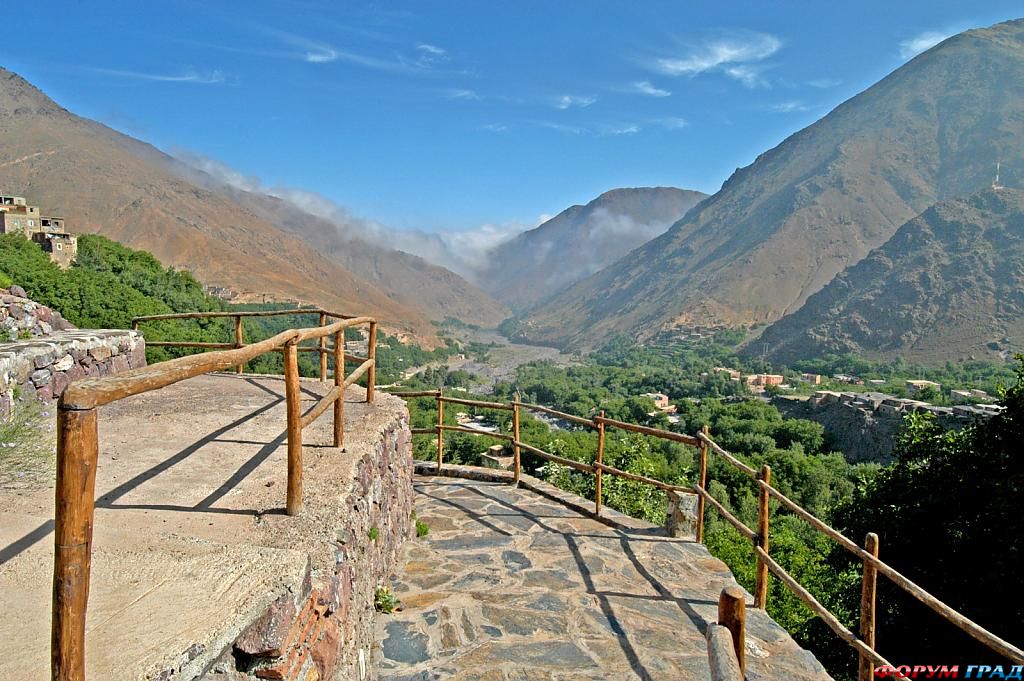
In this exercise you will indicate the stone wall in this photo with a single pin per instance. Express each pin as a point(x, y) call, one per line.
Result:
point(41, 352)
point(325, 632)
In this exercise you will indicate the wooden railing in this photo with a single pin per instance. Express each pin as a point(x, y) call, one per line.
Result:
point(78, 445)
point(862, 642)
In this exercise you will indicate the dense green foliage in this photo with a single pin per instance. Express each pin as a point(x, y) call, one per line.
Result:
point(948, 515)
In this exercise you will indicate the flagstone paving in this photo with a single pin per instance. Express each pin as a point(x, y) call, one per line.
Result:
point(509, 585)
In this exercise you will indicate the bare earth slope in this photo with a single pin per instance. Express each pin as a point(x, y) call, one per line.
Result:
point(948, 285)
point(102, 182)
point(782, 228)
point(581, 240)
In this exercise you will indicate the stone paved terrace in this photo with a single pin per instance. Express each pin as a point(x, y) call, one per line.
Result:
point(512, 585)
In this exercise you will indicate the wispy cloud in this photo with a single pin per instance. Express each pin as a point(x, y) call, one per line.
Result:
point(922, 41)
point(644, 87)
point(789, 106)
point(737, 54)
point(560, 127)
point(461, 93)
point(432, 49)
point(627, 129)
point(188, 76)
point(568, 101)
point(494, 127)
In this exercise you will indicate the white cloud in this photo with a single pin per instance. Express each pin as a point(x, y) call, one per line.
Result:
point(189, 76)
point(672, 123)
point(923, 41)
point(644, 87)
point(459, 93)
point(494, 127)
point(735, 54)
point(432, 49)
point(559, 127)
point(628, 129)
point(568, 101)
point(789, 106)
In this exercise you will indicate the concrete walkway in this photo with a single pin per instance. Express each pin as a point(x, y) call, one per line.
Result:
point(510, 585)
point(191, 541)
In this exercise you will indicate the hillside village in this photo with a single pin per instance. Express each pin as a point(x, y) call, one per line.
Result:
point(48, 231)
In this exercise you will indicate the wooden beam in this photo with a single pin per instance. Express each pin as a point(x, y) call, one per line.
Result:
point(293, 395)
point(732, 614)
point(761, 574)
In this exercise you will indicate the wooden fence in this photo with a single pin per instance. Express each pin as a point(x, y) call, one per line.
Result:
point(862, 642)
point(78, 444)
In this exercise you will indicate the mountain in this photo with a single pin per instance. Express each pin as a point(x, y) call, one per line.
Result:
point(783, 227)
point(580, 241)
point(105, 182)
point(436, 291)
point(949, 285)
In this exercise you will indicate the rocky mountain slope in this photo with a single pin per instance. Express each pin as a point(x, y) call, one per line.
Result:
point(781, 229)
point(949, 285)
point(581, 240)
point(107, 182)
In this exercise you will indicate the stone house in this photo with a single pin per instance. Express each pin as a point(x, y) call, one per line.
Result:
point(17, 217)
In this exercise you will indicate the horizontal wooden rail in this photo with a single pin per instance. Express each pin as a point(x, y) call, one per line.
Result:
point(578, 465)
point(604, 468)
point(472, 431)
point(190, 344)
point(476, 403)
point(322, 405)
point(966, 625)
point(646, 430)
point(733, 520)
point(355, 358)
point(559, 414)
point(424, 431)
point(417, 393)
point(750, 472)
point(818, 609)
point(77, 448)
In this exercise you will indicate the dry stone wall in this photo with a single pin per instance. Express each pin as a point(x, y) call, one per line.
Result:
point(42, 353)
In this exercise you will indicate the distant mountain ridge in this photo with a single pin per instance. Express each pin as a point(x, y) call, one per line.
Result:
point(780, 229)
point(110, 183)
point(949, 285)
point(581, 240)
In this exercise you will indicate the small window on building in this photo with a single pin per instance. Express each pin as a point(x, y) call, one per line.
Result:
point(31, 223)
point(60, 247)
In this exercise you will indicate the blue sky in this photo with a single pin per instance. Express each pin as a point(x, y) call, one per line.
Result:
point(453, 115)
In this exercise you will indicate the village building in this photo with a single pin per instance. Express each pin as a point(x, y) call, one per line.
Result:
point(764, 380)
point(17, 217)
point(734, 374)
point(813, 379)
point(916, 386)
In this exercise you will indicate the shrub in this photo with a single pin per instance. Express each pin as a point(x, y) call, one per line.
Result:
point(385, 601)
point(422, 529)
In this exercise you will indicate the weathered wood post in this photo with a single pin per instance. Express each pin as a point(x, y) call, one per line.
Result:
point(440, 432)
point(867, 608)
point(371, 354)
point(323, 349)
point(77, 454)
point(239, 341)
point(516, 454)
point(732, 614)
point(702, 477)
point(598, 477)
point(293, 395)
point(339, 379)
point(761, 578)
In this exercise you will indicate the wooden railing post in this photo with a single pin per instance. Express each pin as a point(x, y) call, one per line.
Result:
point(77, 454)
point(371, 354)
point(293, 395)
point(761, 578)
point(323, 350)
point(867, 608)
point(598, 477)
point(732, 614)
point(516, 454)
point(440, 431)
point(339, 379)
point(702, 477)
point(239, 342)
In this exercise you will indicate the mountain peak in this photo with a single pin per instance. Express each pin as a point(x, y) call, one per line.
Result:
point(20, 97)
